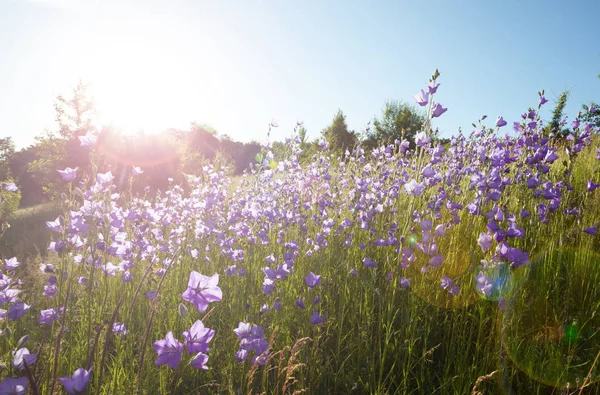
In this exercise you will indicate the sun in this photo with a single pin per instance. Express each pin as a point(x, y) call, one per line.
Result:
point(141, 80)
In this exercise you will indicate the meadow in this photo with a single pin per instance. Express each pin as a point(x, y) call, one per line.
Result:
point(469, 267)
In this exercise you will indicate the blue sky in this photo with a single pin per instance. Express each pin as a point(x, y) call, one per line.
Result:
point(237, 65)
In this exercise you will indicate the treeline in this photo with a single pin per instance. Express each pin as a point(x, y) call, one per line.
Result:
point(171, 154)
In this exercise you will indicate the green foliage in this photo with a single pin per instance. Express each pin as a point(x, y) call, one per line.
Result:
point(399, 120)
point(9, 202)
point(557, 114)
point(337, 134)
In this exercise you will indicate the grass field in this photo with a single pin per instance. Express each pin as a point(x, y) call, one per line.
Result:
point(470, 268)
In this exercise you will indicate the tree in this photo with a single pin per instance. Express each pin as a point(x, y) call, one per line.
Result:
point(7, 150)
point(337, 134)
point(399, 120)
point(557, 114)
point(58, 149)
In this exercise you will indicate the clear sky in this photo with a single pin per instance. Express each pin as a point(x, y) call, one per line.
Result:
point(236, 65)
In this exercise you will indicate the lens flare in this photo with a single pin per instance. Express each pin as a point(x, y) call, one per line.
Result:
point(551, 328)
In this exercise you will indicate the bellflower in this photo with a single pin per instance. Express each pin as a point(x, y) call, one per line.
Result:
point(22, 357)
point(316, 319)
point(500, 122)
point(48, 316)
point(68, 174)
point(11, 386)
point(199, 361)
point(119, 328)
point(202, 290)
point(437, 109)
point(88, 140)
point(11, 187)
point(312, 280)
point(77, 383)
point(422, 98)
point(198, 337)
point(11, 264)
point(484, 241)
point(169, 351)
point(432, 86)
point(16, 310)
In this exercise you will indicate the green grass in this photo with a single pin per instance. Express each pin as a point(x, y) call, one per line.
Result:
point(378, 337)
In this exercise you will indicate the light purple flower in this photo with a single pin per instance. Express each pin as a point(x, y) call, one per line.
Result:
point(500, 122)
point(169, 351)
point(197, 338)
point(48, 316)
point(436, 261)
point(119, 328)
point(22, 357)
point(202, 290)
point(414, 188)
point(137, 171)
point(11, 187)
point(404, 282)
point(88, 140)
point(432, 86)
point(77, 382)
point(437, 109)
point(16, 310)
point(484, 241)
point(11, 386)
point(199, 361)
point(68, 174)
point(446, 282)
point(421, 139)
point(11, 264)
point(422, 98)
point(312, 280)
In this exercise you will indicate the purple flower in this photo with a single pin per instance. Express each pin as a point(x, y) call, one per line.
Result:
point(437, 110)
point(119, 328)
point(368, 262)
point(432, 86)
point(68, 174)
point(169, 351)
point(202, 290)
point(312, 280)
point(104, 178)
point(77, 382)
point(421, 139)
point(12, 386)
point(300, 303)
point(16, 310)
point(316, 319)
point(436, 261)
point(137, 171)
point(22, 357)
point(404, 282)
point(500, 122)
point(10, 187)
point(484, 285)
point(543, 100)
point(484, 241)
point(422, 98)
point(199, 361)
point(11, 264)
point(414, 188)
point(446, 282)
point(88, 140)
point(198, 337)
point(591, 230)
point(48, 316)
